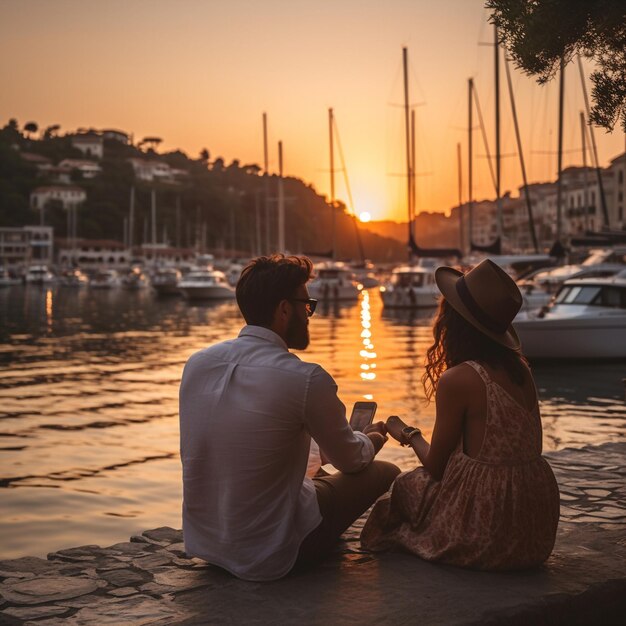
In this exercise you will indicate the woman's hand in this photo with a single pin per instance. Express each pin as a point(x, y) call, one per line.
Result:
point(394, 428)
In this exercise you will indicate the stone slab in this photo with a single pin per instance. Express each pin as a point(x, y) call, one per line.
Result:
point(150, 580)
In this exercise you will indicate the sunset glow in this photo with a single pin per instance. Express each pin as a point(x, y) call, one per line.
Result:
point(201, 74)
point(365, 216)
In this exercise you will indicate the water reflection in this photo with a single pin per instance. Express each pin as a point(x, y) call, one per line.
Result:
point(368, 364)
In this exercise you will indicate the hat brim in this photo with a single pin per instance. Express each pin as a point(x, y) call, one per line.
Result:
point(446, 279)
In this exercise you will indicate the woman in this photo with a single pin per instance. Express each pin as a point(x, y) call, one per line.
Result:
point(485, 498)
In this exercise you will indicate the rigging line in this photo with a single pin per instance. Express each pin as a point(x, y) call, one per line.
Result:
point(605, 213)
point(344, 169)
point(484, 134)
point(531, 221)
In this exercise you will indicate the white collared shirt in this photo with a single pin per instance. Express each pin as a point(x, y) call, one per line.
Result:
point(248, 410)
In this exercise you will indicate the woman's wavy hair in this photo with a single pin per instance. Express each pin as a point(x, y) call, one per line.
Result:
point(456, 341)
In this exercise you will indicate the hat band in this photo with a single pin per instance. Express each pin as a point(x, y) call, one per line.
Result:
point(474, 308)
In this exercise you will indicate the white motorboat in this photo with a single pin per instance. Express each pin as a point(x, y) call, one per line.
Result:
point(73, 278)
point(135, 279)
point(7, 279)
point(539, 287)
point(165, 281)
point(586, 320)
point(39, 275)
point(334, 281)
point(104, 279)
point(412, 286)
point(206, 285)
point(364, 273)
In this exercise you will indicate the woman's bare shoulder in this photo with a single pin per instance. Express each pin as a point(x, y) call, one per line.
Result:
point(459, 376)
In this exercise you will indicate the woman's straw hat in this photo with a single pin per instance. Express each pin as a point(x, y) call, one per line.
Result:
point(487, 297)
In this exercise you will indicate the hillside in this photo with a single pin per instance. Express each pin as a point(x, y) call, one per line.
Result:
point(199, 201)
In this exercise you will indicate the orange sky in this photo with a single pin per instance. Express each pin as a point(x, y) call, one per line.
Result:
point(200, 73)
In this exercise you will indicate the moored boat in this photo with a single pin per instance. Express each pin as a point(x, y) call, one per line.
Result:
point(411, 286)
point(39, 275)
point(73, 278)
point(104, 279)
point(135, 279)
point(586, 320)
point(206, 285)
point(165, 281)
point(334, 281)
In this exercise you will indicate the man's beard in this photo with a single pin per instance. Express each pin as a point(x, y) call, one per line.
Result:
point(297, 334)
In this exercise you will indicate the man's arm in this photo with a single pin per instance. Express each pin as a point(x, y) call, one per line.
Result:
point(325, 416)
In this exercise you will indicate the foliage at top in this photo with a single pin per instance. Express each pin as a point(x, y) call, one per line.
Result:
point(538, 33)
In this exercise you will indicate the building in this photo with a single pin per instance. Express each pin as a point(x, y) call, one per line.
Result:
point(93, 253)
point(90, 144)
point(27, 245)
point(152, 170)
point(68, 195)
point(89, 169)
point(116, 135)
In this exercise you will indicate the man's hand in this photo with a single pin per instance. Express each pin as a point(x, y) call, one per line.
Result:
point(377, 433)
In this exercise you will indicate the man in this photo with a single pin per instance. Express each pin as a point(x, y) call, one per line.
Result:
point(248, 410)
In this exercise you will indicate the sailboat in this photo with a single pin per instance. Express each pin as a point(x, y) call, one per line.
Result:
point(334, 280)
point(413, 285)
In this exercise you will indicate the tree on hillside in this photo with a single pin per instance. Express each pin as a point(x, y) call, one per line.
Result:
point(30, 128)
point(51, 131)
point(151, 142)
point(538, 33)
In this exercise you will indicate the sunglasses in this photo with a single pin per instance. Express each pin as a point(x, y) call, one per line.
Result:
point(311, 304)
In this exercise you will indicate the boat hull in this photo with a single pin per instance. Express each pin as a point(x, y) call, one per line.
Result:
point(409, 298)
point(207, 293)
point(575, 338)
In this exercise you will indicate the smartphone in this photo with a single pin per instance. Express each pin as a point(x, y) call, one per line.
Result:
point(362, 415)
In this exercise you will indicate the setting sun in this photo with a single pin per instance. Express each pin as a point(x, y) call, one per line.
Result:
point(365, 216)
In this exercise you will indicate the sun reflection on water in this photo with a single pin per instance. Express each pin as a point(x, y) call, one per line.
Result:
point(367, 353)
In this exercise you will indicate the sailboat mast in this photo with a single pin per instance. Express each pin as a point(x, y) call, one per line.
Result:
point(460, 174)
point(605, 212)
point(583, 133)
point(529, 208)
point(266, 185)
point(405, 64)
point(281, 201)
point(332, 179)
point(559, 185)
point(470, 157)
point(497, 88)
point(413, 174)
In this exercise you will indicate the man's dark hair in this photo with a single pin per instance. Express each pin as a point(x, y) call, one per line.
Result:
point(266, 281)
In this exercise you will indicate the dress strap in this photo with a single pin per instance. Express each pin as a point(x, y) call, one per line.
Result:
point(480, 370)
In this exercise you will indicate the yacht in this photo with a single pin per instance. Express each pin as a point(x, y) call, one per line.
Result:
point(7, 279)
point(365, 273)
point(165, 281)
point(334, 281)
point(73, 278)
point(206, 284)
point(586, 320)
point(135, 279)
point(104, 279)
point(539, 287)
point(412, 286)
point(39, 275)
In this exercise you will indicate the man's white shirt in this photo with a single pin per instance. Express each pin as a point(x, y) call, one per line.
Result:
point(248, 410)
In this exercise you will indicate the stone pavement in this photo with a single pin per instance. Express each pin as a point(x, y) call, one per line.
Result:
point(150, 580)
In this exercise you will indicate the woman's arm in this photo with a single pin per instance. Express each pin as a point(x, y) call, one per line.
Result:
point(451, 403)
